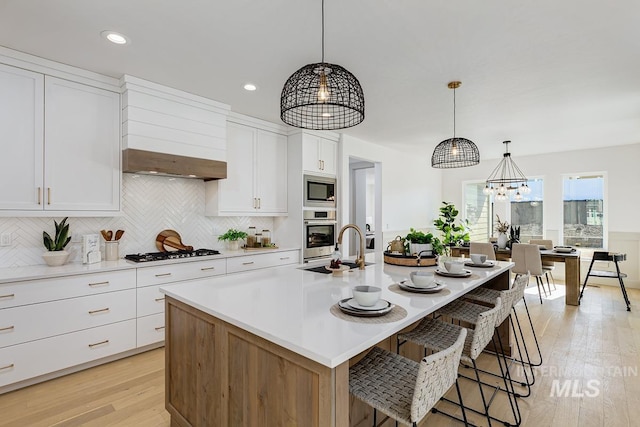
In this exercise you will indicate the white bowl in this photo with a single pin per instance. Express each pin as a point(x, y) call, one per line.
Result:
point(478, 258)
point(454, 267)
point(367, 295)
point(422, 279)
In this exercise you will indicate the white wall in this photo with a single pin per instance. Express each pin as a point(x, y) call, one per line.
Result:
point(410, 189)
point(621, 165)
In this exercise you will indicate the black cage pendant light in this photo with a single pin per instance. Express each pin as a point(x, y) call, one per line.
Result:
point(455, 152)
point(322, 96)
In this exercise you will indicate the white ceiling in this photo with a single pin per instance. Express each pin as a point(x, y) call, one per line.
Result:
point(550, 75)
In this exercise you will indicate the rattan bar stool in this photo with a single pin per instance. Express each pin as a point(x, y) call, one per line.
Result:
point(463, 311)
point(436, 335)
point(403, 389)
point(488, 296)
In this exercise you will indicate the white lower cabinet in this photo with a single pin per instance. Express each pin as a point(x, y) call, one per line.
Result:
point(254, 262)
point(150, 329)
point(150, 301)
point(35, 358)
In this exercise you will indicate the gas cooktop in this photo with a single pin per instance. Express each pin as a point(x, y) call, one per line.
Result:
point(159, 256)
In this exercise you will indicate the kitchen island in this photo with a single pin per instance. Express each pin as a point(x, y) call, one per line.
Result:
point(264, 348)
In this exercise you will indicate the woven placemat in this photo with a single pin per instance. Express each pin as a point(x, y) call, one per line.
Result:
point(396, 313)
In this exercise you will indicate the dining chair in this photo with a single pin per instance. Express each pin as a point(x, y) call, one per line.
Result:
point(547, 266)
point(436, 335)
point(403, 389)
point(483, 248)
point(527, 260)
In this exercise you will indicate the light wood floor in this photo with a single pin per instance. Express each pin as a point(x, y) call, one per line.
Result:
point(598, 342)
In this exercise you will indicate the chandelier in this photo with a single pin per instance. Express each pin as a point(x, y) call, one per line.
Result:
point(322, 96)
point(455, 152)
point(507, 179)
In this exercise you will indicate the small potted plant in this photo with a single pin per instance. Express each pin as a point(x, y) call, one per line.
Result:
point(231, 237)
point(419, 241)
point(57, 255)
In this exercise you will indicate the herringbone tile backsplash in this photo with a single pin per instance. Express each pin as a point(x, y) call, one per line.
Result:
point(150, 204)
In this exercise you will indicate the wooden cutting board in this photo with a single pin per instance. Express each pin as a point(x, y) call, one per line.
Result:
point(169, 241)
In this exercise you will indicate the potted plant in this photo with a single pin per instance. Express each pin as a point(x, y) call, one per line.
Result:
point(502, 227)
point(231, 237)
point(452, 233)
point(57, 255)
point(419, 241)
point(514, 235)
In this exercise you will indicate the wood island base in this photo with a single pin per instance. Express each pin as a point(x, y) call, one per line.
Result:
point(221, 375)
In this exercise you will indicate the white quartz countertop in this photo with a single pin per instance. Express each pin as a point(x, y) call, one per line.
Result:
point(291, 307)
point(34, 272)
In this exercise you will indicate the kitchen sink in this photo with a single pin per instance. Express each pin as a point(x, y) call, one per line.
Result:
point(323, 270)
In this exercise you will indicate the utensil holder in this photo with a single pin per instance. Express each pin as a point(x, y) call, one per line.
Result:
point(111, 252)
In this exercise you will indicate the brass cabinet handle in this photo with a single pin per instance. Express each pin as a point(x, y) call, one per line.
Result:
point(98, 343)
point(207, 268)
point(320, 164)
point(6, 367)
point(8, 328)
point(106, 282)
point(159, 328)
point(247, 263)
point(163, 274)
point(102, 310)
point(48, 195)
point(159, 299)
point(7, 296)
point(283, 258)
point(39, 195)
point(259, 202)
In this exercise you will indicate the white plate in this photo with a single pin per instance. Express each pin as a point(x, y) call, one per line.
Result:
point(565, 250)
point(408, 282)
point(405, 287)
point(465, 273)
point(381, 304)
point(485, 264)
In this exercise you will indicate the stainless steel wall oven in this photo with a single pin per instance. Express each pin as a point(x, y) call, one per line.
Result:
point(319, 233)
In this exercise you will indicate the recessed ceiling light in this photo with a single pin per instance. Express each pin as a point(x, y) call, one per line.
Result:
point(250, 87)
point(114, 37)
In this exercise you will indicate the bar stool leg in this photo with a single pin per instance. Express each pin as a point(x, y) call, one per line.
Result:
point(622, 288)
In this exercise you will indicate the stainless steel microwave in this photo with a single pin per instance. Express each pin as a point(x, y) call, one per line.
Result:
point(319, 192)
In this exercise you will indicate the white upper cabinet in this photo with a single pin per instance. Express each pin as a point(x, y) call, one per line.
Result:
point(61, 145)
point(256, 183)
point(319, 155)
point(82, 150)
point(21, 138)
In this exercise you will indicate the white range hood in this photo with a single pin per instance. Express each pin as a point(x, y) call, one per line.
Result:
point(170, 132)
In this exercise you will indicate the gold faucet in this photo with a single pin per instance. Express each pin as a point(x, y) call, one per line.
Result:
point(359, 258)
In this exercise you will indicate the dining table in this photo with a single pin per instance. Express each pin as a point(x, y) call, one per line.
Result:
point(571, 262)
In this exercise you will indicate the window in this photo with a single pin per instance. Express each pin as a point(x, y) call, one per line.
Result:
point(478, 211)
point(527, 213)
point(584, 211)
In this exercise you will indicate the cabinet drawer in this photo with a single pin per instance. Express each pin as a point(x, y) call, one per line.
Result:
point(34, 291)
point(168, 273)
point(29, 360)
point(150, 329)
point(150, 300)
point(253, 262)
point(36, 321)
